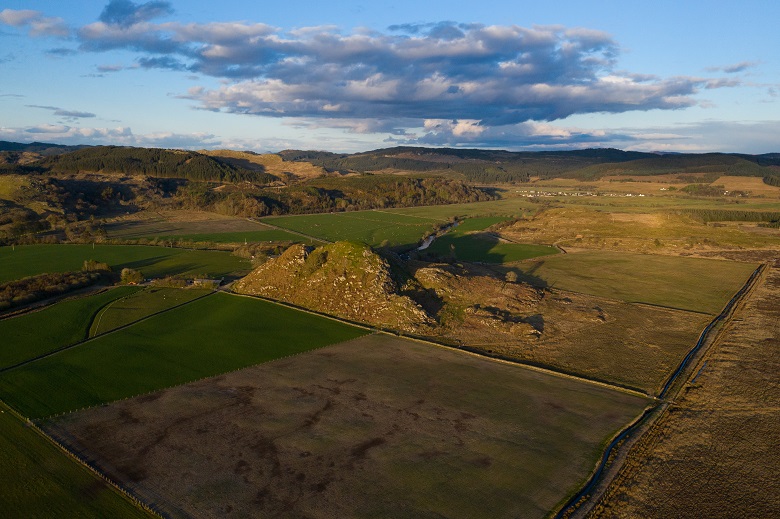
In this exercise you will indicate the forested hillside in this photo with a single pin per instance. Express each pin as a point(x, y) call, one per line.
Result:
point(151, 162)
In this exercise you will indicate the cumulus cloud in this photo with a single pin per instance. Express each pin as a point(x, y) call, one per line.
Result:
point(469, 81)
point(498, 75)
point(35, 22)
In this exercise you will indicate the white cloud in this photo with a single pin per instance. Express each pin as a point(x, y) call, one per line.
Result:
point(35, 21)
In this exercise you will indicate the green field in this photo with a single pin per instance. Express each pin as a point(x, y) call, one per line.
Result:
point(486, 249)
point(139, 305)
point(29, 260)
point(370, 227)
point(465, 243)
point(700, 285)
point(39, 481)
point(508, 208)
point(239, 237)
point(212, 335)
point(36, 333)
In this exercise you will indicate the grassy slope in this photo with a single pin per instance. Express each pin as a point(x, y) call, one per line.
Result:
point(29, 260)
point(39, 481)
point(142, 304)
point(62, 324)
point(213, 335)
point(700, 285)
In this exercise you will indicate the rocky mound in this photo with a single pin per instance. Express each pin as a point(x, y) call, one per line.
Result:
point(479, 303)
point(345, 279)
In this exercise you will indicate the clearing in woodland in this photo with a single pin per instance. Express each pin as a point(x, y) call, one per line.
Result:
point(376, 427)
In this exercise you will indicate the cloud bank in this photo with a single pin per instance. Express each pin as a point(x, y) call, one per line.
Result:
point(441, 83)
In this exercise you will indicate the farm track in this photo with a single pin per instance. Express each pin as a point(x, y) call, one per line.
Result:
point(89, 339)
point(579, 505)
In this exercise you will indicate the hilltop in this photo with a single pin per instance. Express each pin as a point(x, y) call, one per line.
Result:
point(345, 279)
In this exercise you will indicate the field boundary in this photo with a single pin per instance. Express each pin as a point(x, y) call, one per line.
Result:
point(194, 381)
point(126, 493)
point(473, 352)
point(289, 230)
point(594, 487)
point(89, 339)
point(539, 368)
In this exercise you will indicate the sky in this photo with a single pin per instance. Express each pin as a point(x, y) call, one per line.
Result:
point(349, 76)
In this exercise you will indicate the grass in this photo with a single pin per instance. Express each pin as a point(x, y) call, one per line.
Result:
point(213, 335)
point(29, 260)
point(723, 425)
point(466, 243)
point(370, 227)
point(180, 222)
point(700, 285)
point(508, 207)
point(239, 237)
point(637, 230)
point(39, 481)
point(132, 308)
point(67, 322)
point(377, 427)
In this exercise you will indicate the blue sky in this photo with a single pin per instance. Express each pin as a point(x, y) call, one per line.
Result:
point(350, 76)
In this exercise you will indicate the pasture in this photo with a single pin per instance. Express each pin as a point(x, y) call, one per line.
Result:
point(694, 284)
point(267, 235)
point(212, 335)
point(715, 451)
point(376, 427)
point(370, 227)
point(465, 243)
point(635, 346)
point(634, 230)
point(39, 481)
point(29, 260)
point(180, 222)
point(510, 207)
point(132, 308)
point(67, 322)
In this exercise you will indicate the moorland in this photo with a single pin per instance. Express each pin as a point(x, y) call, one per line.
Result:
point(407, 332)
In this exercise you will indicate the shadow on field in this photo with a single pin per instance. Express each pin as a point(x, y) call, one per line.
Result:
point(154, 265)
point(524, 275)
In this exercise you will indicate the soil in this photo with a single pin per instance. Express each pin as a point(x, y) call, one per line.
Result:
point(376, 427)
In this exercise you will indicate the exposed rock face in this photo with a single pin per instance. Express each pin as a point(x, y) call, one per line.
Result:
point(474, 304)
point(345, 279)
